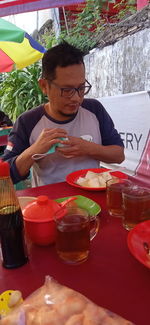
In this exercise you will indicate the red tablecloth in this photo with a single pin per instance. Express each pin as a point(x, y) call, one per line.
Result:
point(111, 277)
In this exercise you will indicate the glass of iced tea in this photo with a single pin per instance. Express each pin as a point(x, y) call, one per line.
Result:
point(114, 188)
point(74, 231)
point(136, 205)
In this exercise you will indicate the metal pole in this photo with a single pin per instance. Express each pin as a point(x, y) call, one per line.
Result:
point(66, 24)
point(37, 20)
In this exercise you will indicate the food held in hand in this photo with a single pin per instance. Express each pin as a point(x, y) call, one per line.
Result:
point(97, 180)
point(54, 304)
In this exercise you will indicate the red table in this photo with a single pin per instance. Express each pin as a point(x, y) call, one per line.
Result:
point(111, 277)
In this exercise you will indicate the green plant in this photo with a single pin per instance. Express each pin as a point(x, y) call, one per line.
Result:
point(125, 8)
point(19, 91)
point(78, 32)
point(82, 32)
point(87, 24)
point(49, 39)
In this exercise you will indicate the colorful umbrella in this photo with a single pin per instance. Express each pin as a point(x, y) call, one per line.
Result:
point(17, 48)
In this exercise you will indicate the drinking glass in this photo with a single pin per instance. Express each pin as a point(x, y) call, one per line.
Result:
point(136, 205)
point(75, 228)
point(114, 188)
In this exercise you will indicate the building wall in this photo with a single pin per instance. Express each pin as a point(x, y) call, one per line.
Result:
point(123, 67)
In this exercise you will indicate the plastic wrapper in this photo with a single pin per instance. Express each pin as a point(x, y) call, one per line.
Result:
point(54, 304)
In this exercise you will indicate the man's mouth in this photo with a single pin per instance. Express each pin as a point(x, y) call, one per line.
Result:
point(73, 106)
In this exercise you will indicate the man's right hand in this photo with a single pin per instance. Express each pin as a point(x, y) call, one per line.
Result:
point(47, 139)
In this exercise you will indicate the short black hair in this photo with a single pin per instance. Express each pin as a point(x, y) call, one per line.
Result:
point(62, 55)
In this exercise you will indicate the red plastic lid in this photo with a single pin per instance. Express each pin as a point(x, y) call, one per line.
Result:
point(40, 210)
point(4, 169)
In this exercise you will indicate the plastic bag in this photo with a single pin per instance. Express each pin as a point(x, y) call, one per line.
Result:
point(54, 304)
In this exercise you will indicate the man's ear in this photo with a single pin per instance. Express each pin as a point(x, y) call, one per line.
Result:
point(43, 85)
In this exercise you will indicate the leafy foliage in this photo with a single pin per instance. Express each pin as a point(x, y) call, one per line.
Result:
point(125, 8)
point(92, 20)
point(20, 91)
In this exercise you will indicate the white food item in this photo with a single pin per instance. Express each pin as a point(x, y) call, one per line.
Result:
point(102, 181)
point(90, 175)
point(106, 176)
point(96, 180)
point(82, 182)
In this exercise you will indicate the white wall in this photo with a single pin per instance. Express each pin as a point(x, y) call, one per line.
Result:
point(123, 67)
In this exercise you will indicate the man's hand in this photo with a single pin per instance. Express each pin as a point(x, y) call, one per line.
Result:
point(73, 147)
point(47, 139)
point(77, 147)
point(44, 142)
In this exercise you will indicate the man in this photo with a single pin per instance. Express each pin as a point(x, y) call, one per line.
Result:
point(82, 126)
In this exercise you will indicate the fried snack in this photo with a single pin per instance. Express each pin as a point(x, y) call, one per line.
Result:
point(54, 304)
point(82, 182)
point(97, 180)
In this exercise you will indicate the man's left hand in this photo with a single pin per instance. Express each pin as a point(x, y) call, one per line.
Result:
point(73, 147)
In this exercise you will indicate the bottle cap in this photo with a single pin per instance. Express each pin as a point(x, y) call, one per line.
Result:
point(4, 169)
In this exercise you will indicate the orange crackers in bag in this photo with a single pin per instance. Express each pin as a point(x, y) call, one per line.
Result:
point(54, 304)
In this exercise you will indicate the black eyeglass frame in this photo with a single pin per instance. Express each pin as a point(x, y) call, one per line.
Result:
point(73, 89)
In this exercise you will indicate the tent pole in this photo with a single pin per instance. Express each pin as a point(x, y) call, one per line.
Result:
point(66, 24)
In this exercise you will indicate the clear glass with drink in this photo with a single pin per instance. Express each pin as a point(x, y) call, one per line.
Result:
point(114, 188)
point(75, 229)
point(136, 205)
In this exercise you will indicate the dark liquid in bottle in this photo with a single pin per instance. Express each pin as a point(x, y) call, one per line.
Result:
point(12, 239)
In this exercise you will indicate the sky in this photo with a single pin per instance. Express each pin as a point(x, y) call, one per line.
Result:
point(29, 21)
point(20, 20)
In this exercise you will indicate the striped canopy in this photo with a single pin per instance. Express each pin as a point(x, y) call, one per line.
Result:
point(10, 7)
point(17, 48)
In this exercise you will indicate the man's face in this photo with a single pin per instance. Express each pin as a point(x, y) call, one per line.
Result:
point(62, 108)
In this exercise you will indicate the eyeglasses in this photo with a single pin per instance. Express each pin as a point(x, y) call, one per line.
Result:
point(69, 91)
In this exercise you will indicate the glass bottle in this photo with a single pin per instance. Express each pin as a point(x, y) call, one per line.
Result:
point(11, 222)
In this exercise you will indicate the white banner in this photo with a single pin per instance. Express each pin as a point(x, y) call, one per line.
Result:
point(131, 115)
